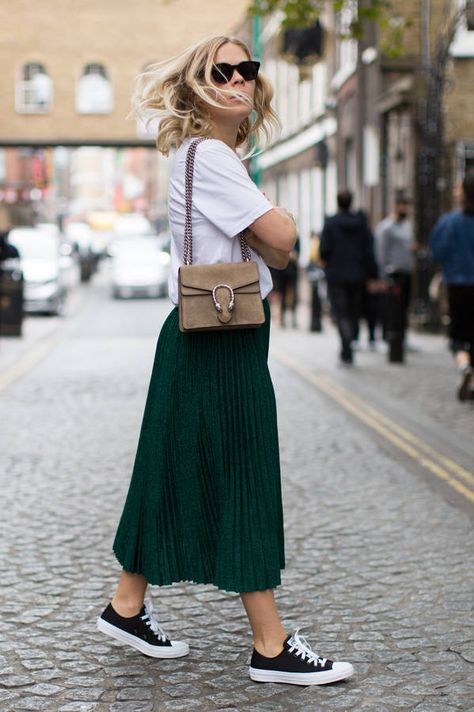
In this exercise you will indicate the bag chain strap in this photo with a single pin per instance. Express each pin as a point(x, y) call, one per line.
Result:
point(188, 194)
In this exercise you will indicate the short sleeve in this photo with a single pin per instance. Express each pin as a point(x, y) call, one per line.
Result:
point(223, 191)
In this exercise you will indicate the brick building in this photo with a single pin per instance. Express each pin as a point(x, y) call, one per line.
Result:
point(67, 68)
point(351, 119)
point(66, 76)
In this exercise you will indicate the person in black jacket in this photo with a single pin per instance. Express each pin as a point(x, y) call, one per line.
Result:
point(7, 251)
point(347, 248)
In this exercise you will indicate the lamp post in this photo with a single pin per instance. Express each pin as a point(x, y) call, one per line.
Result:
point(256, 54)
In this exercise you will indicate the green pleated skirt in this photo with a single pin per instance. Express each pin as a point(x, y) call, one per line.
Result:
point(204, 502)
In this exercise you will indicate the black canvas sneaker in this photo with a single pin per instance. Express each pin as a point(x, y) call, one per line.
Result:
point(297, 664)
point(142, 632)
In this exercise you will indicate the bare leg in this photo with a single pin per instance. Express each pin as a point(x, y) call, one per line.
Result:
point(268, 632)
point(130, 594)
point(462, 359)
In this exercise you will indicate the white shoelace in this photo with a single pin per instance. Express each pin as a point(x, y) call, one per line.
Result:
point(152, 623)
point(302, 648)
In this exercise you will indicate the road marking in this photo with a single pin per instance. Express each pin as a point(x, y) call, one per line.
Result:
point(408, 436)
point(443, 467)
point(42, 347)
point(26, 362)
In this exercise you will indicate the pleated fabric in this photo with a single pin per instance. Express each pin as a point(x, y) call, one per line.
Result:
point(204, 502)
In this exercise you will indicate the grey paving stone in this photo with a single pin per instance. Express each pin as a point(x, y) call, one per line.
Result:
point(8, 695)
point(78, 707)
point(134, 693)
point(183, 706)
point(15, 680)
point(138, 680)
point(438, 707)
point(44, 689)
point(37, 664)
point(32, 703)
point(180, 689)
point(92, 694)
point(131, 707)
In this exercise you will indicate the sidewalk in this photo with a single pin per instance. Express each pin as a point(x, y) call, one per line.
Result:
point(421, 390)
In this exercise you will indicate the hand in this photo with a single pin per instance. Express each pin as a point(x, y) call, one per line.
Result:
point(270, 255)
point(284, 211)
point(375, 286)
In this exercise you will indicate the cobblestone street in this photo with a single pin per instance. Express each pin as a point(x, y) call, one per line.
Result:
point(380, 568)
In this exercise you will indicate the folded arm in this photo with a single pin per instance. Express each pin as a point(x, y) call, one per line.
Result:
point(273, 237)
point(272, 256)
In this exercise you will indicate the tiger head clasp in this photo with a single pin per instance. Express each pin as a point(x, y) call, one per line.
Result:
point(224, 311)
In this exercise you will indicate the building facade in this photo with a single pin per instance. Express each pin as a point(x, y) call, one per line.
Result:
point(352, 119)
point(66, 77)
point(67, 68)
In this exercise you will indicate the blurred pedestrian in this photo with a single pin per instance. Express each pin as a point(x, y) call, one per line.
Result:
point(204, 503)
point(369, 312)
point(348, 251)
point(287, 287)
point(11, 279)
point(395, 252)
point(7, 250)
point(315, 275)
point(452, 245)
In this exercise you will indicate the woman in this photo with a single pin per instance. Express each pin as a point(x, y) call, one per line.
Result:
point(204, 503)
point(452, 245)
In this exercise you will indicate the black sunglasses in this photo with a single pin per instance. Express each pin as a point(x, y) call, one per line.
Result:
point(222, 72)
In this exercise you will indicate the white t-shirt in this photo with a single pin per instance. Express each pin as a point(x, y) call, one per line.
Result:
point(225, 202)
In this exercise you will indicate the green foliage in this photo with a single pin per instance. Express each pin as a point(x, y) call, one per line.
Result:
point(297, 13)
point(303, 13)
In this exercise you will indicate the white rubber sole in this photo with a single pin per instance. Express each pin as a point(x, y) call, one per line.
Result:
point(340, 671)
point(175, 650)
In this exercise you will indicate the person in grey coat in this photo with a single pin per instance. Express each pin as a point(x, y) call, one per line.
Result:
point(395, 253)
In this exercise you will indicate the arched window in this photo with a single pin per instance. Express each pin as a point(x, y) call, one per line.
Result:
point(34, 90)
point(94, 93)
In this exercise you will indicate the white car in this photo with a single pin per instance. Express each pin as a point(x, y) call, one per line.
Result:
point(132, 224)
point(40, 259)
point(140, 266)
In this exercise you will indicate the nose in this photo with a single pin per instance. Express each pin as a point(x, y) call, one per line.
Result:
point(236, 78)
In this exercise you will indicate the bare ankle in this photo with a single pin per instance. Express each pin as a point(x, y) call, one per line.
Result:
point(270, 648)
point(126, 608)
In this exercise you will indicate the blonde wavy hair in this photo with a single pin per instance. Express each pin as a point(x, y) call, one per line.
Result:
point(179, 90)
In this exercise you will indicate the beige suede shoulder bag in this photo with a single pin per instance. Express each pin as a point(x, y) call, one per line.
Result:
point(218, 296)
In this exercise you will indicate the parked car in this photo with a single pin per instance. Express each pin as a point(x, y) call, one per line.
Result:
point(68, 254)
point(140, 266)
point(132, 224)
point(40, 257)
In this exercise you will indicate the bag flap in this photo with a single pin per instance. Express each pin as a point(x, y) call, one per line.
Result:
point(204, 278)
point(186, 291)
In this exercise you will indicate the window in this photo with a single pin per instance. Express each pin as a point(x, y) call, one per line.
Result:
point(34, 90)
point(464, 159)
point(350, 167)
point(345, 46)
point(94, 93)
point(463, 43)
